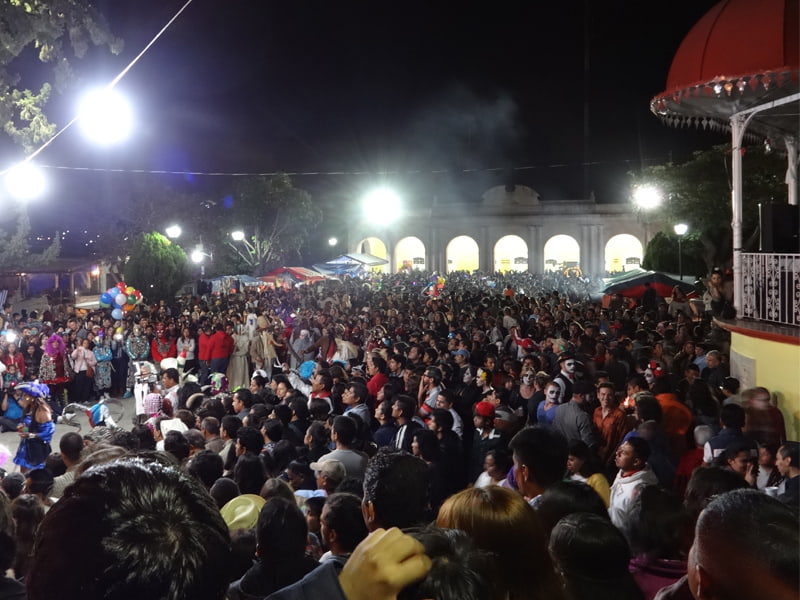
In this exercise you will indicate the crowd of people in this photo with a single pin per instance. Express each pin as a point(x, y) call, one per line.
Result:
point(499, 437)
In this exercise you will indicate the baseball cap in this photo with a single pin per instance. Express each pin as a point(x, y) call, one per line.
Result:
point(330, 467)
point(461, 352)
point(484, 409)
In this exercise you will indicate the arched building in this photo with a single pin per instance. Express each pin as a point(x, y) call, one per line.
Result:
point(509, 230)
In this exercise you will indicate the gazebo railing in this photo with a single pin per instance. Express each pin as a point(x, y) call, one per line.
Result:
point(771, 288)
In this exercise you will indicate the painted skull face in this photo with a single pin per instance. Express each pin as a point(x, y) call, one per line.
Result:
point(569, 365)
point(649, 376)
point(160, 330)
point(552, 393)
point(468, 377)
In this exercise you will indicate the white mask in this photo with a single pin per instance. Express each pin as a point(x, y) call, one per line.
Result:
point(649, 376)
point(569, 366)
point(552, 393)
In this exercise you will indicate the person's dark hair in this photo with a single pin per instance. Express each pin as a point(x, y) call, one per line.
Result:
point(250, 439)
point(258, 414)
point(206, 466)
point(639, 381)
point(641, 447)
point(359, 391)
point(380, 364)
point(187, 417)
point(319, 409)
point(55, 464)
point(343, 515)
point(188, 389)
point(243, 549)
point(246, 397)
point(708, 483)
point(124, 439)
point(659, 525)
point(429, 449)
point(172, 373)
point(300, 408)
point(662, 385)
point(145, 436)
point(314, 506)
point(231, 424)
point(648, 408)
point(319, 434)
point(211, 425)
point(212, 407)
point(223, 491)
point(176, 444)
point(276, 488)
point(12, 485)
point(280, 533)
point(273, 429)
point(396, 484)
point(791, 450)
point(71, 445)
point(764, 533)
point(444, 419)
point(566, 498)
point(407, 405)
point(593, 557)
point(732, 416)
point(459, 571)
point(249, 474)
point(543, 452)
point(351, 485)
point(28, 513)
point(115, 517)
point(282, 454)
point(346, 430)
point(41, 481)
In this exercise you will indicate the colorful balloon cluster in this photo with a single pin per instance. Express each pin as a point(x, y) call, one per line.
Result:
point(120, 299)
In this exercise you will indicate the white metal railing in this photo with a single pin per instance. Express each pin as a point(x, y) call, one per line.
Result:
point(771, 285)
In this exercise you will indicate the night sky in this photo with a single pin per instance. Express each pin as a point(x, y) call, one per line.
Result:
point(424, 89)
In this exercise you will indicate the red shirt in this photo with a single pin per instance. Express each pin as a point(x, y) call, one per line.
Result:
point(221, 345)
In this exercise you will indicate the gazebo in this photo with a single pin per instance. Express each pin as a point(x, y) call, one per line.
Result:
point(738, 70)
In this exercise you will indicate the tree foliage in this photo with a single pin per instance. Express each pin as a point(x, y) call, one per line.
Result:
point(156, 267)
point(58, 30)
point(275, 217)
point(698, 193)
point(15, 251)
point(662, 254)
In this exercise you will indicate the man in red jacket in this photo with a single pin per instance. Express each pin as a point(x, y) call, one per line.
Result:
point(204, 353)
point(220, 349)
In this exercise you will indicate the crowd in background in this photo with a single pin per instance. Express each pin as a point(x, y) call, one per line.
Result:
point(574, 441)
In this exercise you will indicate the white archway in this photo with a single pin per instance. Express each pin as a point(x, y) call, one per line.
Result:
point(409, 253)
point(462, 254)
point(561, 251)
point(375, 247)
point(510, 254)
point(623, 252)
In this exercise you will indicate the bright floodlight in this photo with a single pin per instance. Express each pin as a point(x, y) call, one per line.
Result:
point(382, 205)
point(173, 231)
point(647, 197)
point(25, 181)
point(681, 229)
point(332, 241)
point(198, 256)
point(237, 236)
point(106, 117)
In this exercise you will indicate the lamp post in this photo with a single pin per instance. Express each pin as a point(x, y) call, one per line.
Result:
point(198, 257)
point(646, 198)
point(680, 231)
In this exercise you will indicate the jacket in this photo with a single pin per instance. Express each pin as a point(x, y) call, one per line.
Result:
point(624, 491)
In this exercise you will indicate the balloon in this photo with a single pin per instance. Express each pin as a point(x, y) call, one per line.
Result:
point(116, 314)
point(131, 300)
point(119, 329)
point(121, 286)
point(120, 299)
point(129, 290)
point(112, 291)
point(104, 304)
point(128, 307)
point(105, 298)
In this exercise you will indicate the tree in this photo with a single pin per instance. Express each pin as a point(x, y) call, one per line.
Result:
point(15, 251)
point(698, 193)
point(156, 267)
point(276, 219)
point(662, 254)
point(45, 25)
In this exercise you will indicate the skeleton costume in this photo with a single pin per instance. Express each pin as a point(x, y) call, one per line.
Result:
point(138, 350)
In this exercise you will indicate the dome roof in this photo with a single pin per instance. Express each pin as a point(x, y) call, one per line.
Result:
point(743, 55)
point(736, 38)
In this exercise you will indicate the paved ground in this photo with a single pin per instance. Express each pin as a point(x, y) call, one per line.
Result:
point(10, 439)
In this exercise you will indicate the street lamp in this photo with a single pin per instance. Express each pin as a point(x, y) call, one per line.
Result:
point(25, 181)
point(106, 116)
point(174, 231)
point(382, 205)
point(647, 197)
point(680, 230)
point(332, 241)
point(198, 257)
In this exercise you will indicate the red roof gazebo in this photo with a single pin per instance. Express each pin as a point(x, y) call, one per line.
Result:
point(738, 69)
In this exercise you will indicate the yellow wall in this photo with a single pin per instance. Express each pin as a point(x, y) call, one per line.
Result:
point(776, 367)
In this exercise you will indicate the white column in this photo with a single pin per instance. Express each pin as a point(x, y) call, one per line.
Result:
point(791, 170)
point(738, 126)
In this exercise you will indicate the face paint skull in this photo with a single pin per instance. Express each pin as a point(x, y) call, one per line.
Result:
point(649, 376)
point(552, 393)
point(569, 366)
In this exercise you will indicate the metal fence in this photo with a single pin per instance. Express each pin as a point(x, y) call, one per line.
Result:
point(771, 287)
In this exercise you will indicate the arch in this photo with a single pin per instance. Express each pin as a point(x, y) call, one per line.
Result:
point(375, 247)
point(561, 251)
point(409, 253)
point(510, 254)
point(623, 252)
point(462, 254)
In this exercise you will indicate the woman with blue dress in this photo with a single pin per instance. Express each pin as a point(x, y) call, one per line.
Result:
point(36, 427)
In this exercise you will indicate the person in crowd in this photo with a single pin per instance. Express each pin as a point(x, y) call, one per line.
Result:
point(567, 497)
point(342, 526)
point(610, 422)
point(788, 464)
point(36, 427)
point(395, 490)
point(634, 473)
point(583, 465)
point(403, 414)
point(540, 456)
